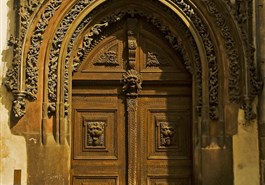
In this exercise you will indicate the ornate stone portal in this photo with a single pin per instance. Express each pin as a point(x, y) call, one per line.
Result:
point(49, 46)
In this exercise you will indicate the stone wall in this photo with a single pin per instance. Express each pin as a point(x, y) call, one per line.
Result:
point(13, 148)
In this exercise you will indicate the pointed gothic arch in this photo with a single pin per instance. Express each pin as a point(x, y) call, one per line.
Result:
point(55, 36)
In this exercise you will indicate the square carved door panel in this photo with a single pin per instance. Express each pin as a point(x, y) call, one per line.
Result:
point(95, 130)
point(165, 139)
point(98, 151)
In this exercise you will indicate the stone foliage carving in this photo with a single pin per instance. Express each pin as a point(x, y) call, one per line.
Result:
point(109, 58)
point(11, 81)
point(231, 51)
point(54, 53)
point(95, 133)
point(27, 8)
point(244, 15)
point(26, 12)
point(36, 40)
point(211, 57)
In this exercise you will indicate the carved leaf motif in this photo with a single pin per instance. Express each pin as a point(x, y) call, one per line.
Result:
point(211, 57)
point(55, 50)
point(109, 58)
point(154, 61)
point(11, 81)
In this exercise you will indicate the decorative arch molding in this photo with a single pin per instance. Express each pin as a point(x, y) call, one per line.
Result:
point(222, 78)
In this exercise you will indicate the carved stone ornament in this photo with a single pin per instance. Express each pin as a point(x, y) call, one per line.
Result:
point(109, 58)
point(243, 14)
point(19, 105)
point(36, 40)
point(22, 78)
point(132, 81)
point(244, 17)
point(26, 72)
point(167, 133)
point(211, 57)
point(154, 61)
point(95, 132)
point(11, 81)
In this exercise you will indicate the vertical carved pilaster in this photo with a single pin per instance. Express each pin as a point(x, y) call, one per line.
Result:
point(132, 43)
point(132, 81)
point(132, 139)
point(132, 85)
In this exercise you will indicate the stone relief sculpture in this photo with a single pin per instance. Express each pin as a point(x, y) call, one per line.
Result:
point(109, 58)
point(153, 60)
point(132, 81)
point(95, 133)
point(167, 133)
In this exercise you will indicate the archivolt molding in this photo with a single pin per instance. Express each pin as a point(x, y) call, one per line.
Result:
point(23, 79)
point(244, 17)
point(242, 14)
point(19, 76)
point(55, 50)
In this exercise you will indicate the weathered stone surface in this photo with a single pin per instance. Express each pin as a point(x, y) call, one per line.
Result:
point(12, 148)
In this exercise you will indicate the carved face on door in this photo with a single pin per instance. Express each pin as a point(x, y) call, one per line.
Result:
point(167, 131)
point(95, 132)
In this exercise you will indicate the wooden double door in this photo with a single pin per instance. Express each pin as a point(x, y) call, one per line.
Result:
point(144, 139)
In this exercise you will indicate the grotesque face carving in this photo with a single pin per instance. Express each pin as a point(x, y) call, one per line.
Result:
point(132, 82)
point(95, 133)
point(96, 130)
point(167, 132)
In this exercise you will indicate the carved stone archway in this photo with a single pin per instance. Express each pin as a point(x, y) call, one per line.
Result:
point(53, 38)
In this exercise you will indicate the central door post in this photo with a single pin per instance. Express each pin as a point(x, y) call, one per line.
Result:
point(132, 81)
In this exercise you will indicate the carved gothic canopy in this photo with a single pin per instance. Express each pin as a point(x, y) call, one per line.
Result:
point(216, 47)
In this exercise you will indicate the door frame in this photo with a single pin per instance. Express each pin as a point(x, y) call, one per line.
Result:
point(40, 75)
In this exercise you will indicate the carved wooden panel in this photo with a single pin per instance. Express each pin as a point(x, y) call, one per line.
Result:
point(100, 180)
point(169, 136)
point(158, 61)
point(158, 57)
point(98, 139)
point(106, 62)
point(167, 181)
point(93, 133)
point(166, 139)
point(108, 58)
